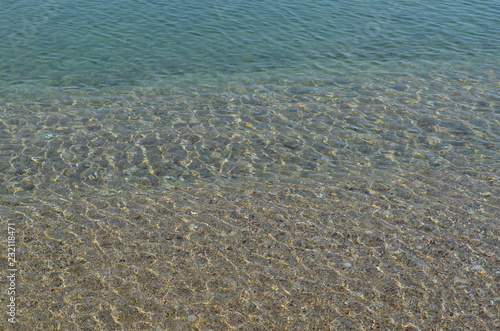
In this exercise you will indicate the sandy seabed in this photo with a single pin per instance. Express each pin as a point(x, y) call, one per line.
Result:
point(420, 254)
point(330, 205)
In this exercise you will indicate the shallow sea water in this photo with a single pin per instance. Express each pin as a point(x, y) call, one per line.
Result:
point(251, 166)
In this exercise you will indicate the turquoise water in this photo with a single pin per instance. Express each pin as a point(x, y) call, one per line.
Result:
point(99, 45)
point(252, 165)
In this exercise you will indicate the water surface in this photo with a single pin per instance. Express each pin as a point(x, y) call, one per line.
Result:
point(252, 165)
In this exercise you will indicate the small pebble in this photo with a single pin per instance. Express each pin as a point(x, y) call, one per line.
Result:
point(477, 267)
point(347, 265)
point(192, 318)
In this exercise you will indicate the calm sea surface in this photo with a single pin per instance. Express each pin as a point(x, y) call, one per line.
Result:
point(388, 107)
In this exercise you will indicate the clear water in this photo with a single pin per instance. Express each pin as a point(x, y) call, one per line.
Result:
point(354, 86)
point(393, 106)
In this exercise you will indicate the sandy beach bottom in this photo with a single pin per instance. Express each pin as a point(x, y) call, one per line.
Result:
point(358, 254)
